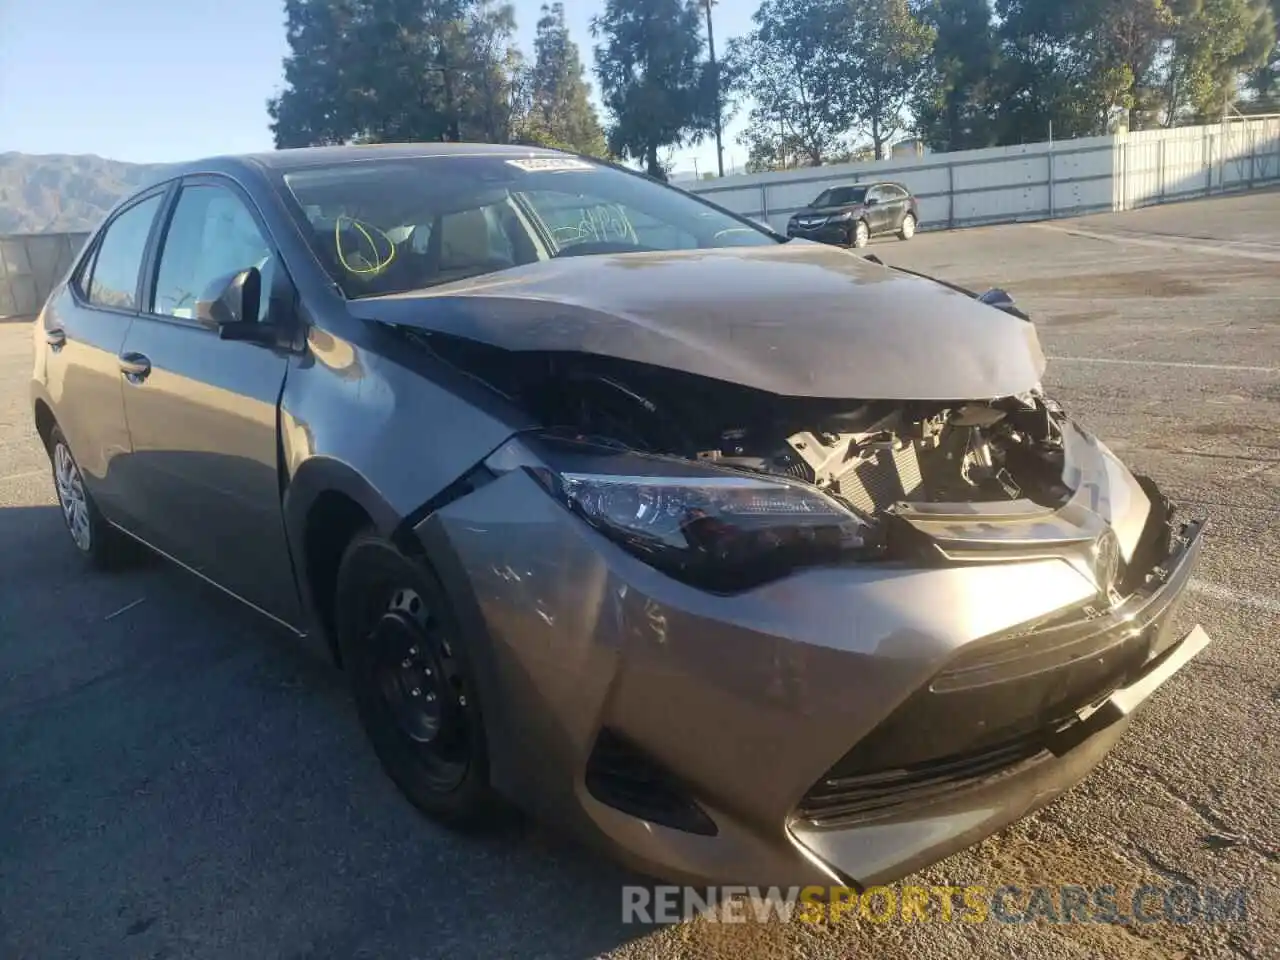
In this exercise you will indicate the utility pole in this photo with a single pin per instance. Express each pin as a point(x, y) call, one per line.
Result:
point(715, 83)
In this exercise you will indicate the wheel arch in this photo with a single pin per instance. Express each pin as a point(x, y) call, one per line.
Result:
point(45, 420)
point(326, 504)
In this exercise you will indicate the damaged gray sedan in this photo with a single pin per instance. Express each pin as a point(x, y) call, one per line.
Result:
point(746, 559)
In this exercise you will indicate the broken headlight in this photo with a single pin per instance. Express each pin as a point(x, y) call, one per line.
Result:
point(713, 528)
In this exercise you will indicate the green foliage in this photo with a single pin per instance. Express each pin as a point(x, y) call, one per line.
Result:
point(369, 71)
point(956, 103)
point(1214, 43)
point(801, 109)
point(654, 79)
point(814, 74)
point(880, 50)
point(558, 112)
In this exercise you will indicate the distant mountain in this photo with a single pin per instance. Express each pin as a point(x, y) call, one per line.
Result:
point(59, 192)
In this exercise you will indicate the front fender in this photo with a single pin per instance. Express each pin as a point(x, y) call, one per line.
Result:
point(388, 434)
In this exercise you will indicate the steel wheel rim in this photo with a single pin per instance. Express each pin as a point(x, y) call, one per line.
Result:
point(909, 226)
point(410, 654)
point(72, 497)
point(861, 234)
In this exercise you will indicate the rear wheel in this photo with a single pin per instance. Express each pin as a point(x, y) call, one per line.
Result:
point(411, 681)
point(908, 228)
point(98, 542)
point(860, 236)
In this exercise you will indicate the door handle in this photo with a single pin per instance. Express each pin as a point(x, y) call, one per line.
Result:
point(56, 338)
point(135, 367)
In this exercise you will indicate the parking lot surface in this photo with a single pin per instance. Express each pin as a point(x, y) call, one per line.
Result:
point(179, 780)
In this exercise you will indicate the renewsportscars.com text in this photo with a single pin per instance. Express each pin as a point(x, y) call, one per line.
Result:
point(1061, 903)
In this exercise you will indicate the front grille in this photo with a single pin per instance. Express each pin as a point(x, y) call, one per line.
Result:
point(621, 775)
point(993, 709)
point(840, 799)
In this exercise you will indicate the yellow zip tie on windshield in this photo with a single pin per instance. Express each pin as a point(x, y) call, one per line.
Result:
point(380, 264)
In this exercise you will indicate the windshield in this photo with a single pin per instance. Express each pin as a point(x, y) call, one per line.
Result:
point(388, 226)
point(840, 196)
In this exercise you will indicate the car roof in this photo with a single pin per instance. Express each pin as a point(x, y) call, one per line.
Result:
point(867, 184)
point(298, 158)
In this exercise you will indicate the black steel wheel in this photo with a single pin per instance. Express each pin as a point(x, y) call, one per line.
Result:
point(411, 682)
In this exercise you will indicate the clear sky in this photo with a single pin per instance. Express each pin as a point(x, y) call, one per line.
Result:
point(165, 80)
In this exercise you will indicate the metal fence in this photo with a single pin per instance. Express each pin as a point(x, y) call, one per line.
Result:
point(1036, 181)
point(30, 265)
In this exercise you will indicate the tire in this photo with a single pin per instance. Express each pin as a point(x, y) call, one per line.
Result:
point(908, 228)
point(102, 545)
point(860, 236)
point(397, 634)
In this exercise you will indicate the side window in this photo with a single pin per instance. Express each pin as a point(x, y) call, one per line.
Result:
point(113, 281)
point(212, 234)
point(896, 193)
point(878, 194)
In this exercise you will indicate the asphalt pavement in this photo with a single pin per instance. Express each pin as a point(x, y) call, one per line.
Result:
point(179, 780)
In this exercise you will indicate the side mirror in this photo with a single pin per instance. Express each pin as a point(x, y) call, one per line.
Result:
point(873, 201)
point(1000, 299)
point(230, 305)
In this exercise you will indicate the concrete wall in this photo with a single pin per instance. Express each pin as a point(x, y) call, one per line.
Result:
point(30, 265)
point(1035, 181)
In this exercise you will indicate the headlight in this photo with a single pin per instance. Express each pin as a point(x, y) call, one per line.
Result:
point(840, 217)
point(717, 529)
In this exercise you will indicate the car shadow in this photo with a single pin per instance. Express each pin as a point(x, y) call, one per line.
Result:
point(183, 780)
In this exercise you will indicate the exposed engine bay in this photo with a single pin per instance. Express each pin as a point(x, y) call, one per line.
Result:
point(868, 454)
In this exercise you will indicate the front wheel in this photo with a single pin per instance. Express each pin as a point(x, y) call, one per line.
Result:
point(860, 236)
point(412, 683)
point(908, 228)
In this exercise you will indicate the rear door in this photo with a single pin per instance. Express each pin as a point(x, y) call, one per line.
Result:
point(202, 411)
point(896, 204)
point(85, 333)
point(879, 210)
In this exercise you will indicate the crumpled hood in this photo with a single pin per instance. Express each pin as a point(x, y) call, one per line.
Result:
point(799, 319)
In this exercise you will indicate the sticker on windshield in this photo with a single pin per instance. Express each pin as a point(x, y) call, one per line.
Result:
point(543, 164)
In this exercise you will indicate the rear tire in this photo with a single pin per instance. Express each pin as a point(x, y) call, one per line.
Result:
point(908, 228)
point(101, 544)
point(412, 682)
point(860, 235)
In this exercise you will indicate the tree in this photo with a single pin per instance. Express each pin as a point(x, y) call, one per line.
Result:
point(1051, 74)
point(880, 50)
point(800, 107)
point(955, 105)
point(395, 70)
point(653, 79)
point(1216, 41)
point(559, 111)
point(319, 104)
point(1128, 36)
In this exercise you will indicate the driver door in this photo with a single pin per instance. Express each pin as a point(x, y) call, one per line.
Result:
point(878, 210)
point(202, 411)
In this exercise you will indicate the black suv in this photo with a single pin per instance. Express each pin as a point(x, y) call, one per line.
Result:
point(851, 216)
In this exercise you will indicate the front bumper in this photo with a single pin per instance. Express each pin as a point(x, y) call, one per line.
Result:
point(844, 725)
point(833, 233)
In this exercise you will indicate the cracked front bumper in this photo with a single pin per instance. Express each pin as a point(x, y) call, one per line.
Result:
point(754, 707)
